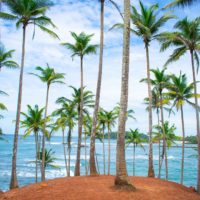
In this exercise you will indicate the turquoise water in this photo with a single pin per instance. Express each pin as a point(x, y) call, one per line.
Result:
point(26, 154)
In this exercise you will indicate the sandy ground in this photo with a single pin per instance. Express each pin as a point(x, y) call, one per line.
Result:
point(101, 188)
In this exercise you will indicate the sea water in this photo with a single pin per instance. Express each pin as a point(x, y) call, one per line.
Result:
point(26, 157)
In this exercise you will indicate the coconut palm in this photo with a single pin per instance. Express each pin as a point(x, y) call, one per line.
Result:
point(186, 39)
point(121, 179)
point(134, 137)
point(147, 24)
point(33, 123)
point(67, 118)
point(167, 134)
point(110, 120)
point(179, 91)
point(48, 76)
point(25, 13)
point(80, 48)
point(2, 106)
point(5, 58)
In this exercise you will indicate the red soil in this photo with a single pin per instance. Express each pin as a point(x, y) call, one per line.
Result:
point(101, 188)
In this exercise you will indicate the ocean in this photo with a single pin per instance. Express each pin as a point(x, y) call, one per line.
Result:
point(26, 154)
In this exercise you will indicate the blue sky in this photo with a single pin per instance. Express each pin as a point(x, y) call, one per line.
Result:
point(81, 16)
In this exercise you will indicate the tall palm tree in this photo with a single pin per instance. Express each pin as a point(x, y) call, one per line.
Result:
point(134, 137)
point(93, 170)
point(166, 132)
point(186, 39)
point(67, 118)
point(159, 83)
point(80, 48)
point(179, 91)
point(110, 120)
point(147, 24)
point(25, 13)
point(121, 179)
point(33, 122)
point(5, 58)
point(48, 76)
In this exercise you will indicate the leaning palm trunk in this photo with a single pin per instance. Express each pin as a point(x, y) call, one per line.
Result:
point(93, 170)
point(69, 152)
point(197, 119)
point(14, 182)
point(164, 140)
point(108, 150)
point(64, 149)
point(151, 169)
point(158, 145)
point(80, 124)
point(121, 179)
point(86, 168)
point(44, 135)
point(183, 145)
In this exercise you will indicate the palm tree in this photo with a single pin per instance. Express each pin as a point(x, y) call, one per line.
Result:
point(110, 120)
point(80, 48)
point(33, 123)
point(159, 82)
point(147, 24)
point(134, 137)
point(166, 132)
point(121, 179)
point(186, 39)
point(25, 13)
point(49, 77)
point(67, 118)
point(5, 57)
point(93, 170)
point(180, 92)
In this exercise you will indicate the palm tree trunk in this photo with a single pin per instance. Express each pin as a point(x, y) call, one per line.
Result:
point(197, 119)
point(158, 146)
point(69, 151)
point(64, 149)
point(108, 150)
point(44, 135)
point(86, 169)
point(121, 179)
point(133, 159)
point(164, 139)
point(93, 170)
point(104, 160)
point(150, 169)
point(14, 182)
point(183, 145)
point(80, 124)
point(36, 157)
point(166, 162)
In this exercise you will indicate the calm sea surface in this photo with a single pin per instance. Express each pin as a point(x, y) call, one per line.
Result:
point(26, 154)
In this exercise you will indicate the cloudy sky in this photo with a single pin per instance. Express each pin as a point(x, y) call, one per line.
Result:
point(78, 16)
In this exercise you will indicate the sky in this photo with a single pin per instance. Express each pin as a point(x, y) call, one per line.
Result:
point(83, 16)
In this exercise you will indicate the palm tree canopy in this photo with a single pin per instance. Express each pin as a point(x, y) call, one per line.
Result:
point(180, 3)
point(2, 106)
point(49, 76)
point(5, 58)
point(134, 137)
point(33, 120)
point(26, 12)
point(88, 101)
point(179, 91)
point(147, 22)
point(82, 45)
point(187, 37)
point(166, 132)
